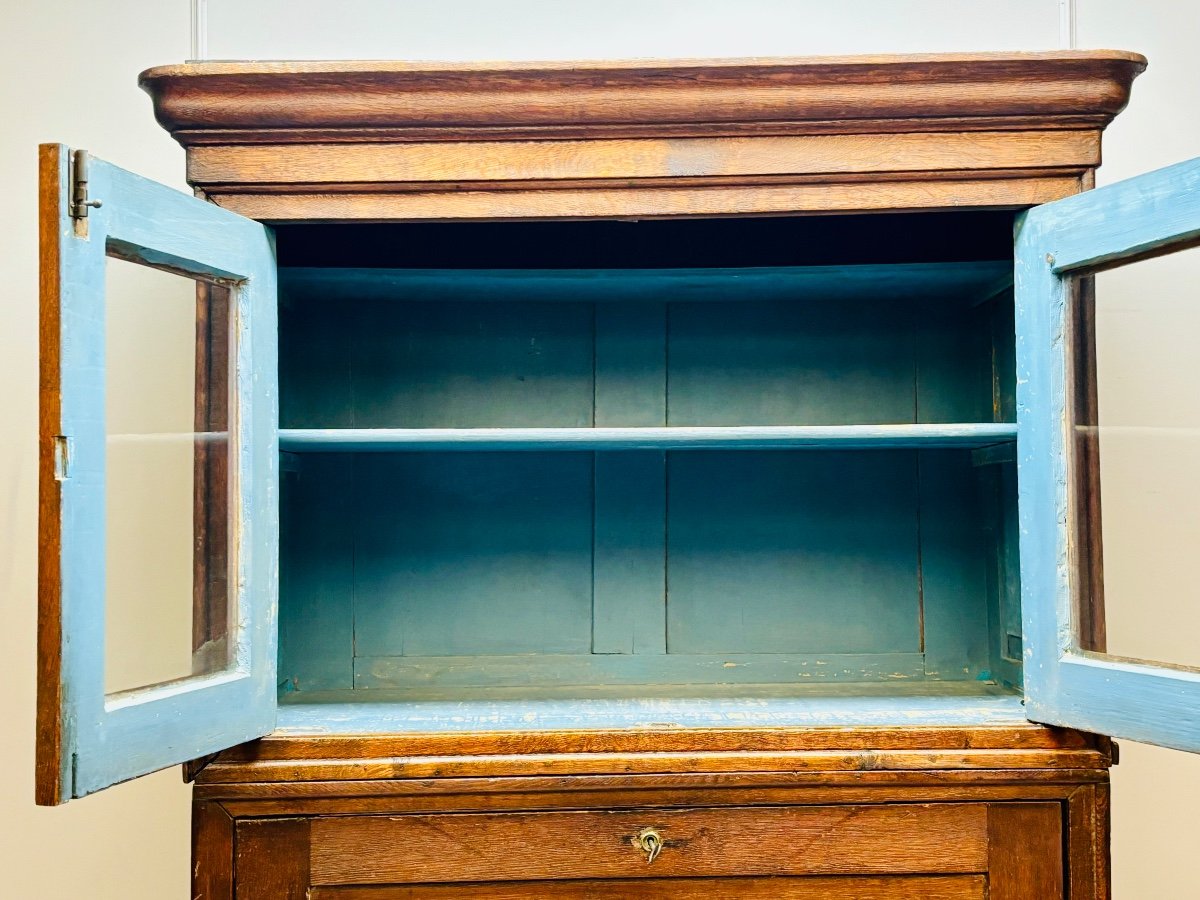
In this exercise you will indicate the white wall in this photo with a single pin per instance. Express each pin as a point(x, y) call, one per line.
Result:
point(67, 73)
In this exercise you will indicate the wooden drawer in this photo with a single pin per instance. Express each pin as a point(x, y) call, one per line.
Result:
point(938, 851)
point(803, 840)
point(850, 887)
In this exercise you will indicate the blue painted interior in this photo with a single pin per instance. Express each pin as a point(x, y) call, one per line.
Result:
point(785, 476)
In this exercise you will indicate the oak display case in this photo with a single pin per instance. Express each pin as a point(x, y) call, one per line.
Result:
point(619, 479)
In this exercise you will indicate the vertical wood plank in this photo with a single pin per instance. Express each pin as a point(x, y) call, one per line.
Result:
point(316, 624)
point(1002, 329)
point(629, 539)
point(1025, 851)
point(952, 577)
point(631, 365)
point(50, 764)
point(1087, 843)
point(272, 859)
point(212, 852)
point(997, 496)
point(952, 363)
point(629, 573)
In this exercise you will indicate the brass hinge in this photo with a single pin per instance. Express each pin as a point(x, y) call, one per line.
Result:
point(79, 187)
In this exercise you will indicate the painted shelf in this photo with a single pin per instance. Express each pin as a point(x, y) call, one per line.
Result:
point(968, 282)
point(765, 437)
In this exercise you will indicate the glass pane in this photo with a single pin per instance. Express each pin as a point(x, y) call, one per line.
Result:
point(1137, 449)
point(167, 606)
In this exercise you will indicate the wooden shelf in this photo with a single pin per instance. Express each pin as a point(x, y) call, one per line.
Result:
point(750, 437)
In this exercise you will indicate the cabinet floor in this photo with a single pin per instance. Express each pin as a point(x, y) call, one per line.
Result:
point(657, 706)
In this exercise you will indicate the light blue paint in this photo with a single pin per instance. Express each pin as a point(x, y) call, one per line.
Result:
point(1065, 686)
point(782, 437)
point(1124, 221)
point(410, 676)
point(113, 739)
point(836, 709)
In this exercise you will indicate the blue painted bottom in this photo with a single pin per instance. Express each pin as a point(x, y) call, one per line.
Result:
point(750, 709)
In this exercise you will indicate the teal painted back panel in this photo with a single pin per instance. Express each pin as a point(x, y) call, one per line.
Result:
point(487, 560)
point(427, 570)
point(792, 552)
point(416, 365)
point(785, 363)
point(385, 362)
point(472, 554)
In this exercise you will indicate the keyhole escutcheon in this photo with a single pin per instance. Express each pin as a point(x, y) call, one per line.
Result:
point(650, 842)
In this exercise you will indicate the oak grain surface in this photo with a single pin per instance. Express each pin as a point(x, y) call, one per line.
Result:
point(573, 97)
point(212, 852)
point(1025, 850)
point(935, 838)
point(272, 859)
point(49, 760)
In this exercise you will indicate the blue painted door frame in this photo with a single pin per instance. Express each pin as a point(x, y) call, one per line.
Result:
point(1055, 243)
point(106, 739)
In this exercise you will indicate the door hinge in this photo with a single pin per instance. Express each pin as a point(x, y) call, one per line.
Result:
point(62, 457)
point(79, 187)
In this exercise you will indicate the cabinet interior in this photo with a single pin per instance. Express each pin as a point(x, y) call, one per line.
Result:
point(572, 473)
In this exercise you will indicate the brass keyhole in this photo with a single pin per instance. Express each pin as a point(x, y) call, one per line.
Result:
point(649, 842)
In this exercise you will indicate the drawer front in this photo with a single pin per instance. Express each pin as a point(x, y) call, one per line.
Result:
point(773, 841)
point(936, 887)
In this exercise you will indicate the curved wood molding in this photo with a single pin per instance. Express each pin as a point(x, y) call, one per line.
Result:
point(341, 141)
point(225, 102)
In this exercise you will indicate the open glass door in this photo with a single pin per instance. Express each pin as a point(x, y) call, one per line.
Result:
point(158, 513)
point(1109, 458)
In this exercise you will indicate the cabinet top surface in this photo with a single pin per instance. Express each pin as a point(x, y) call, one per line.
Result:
point(219, 102)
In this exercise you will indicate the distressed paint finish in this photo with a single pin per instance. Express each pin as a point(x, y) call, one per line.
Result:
point(839, 709)
point(107, 739)
point(697, 672)
point(1147, 215)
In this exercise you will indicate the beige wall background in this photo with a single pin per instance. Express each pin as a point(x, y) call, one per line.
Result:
point(67, 73)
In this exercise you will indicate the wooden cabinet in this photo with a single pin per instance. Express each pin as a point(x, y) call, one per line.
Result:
point(596, 495)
